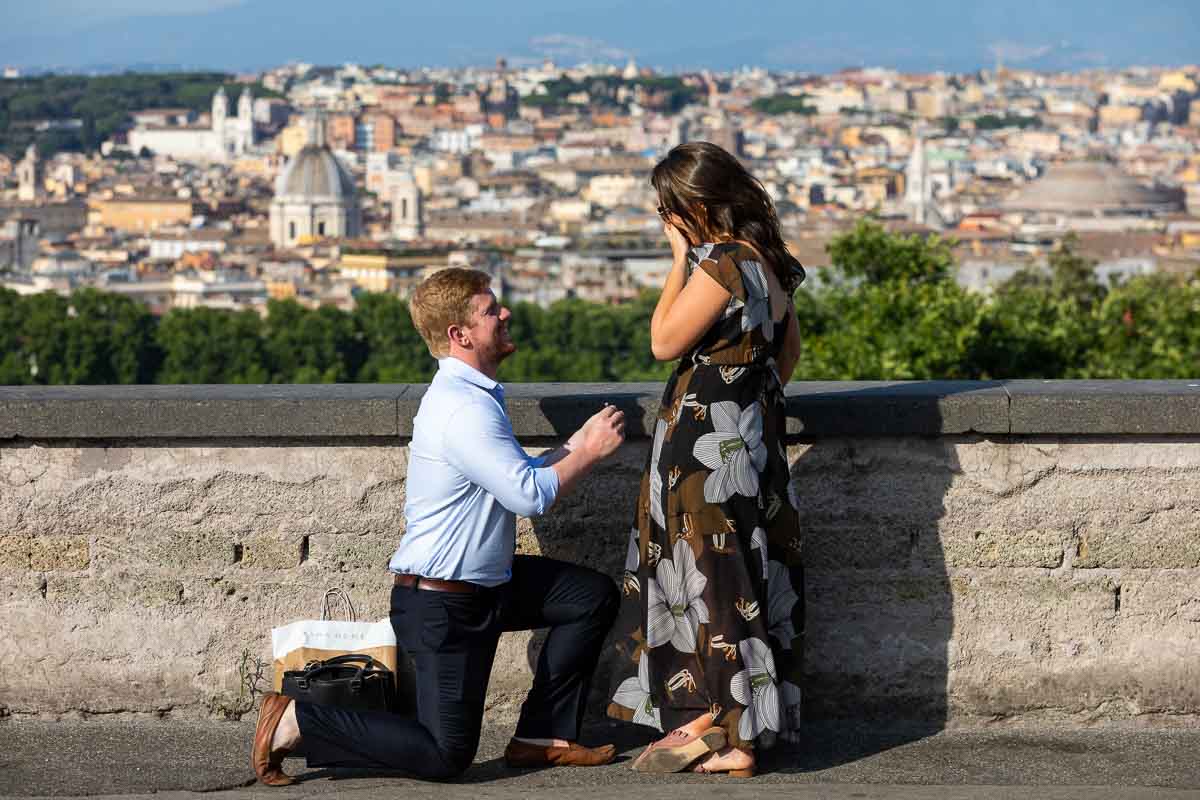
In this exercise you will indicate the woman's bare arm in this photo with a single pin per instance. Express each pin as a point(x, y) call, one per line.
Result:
point(790, 352)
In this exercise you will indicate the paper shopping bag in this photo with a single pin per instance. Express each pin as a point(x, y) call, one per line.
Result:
point(294, 645)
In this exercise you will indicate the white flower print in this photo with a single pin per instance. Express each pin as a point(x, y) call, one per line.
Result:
point(702, 252)
point(656, 482)
point(731, 374)
point(758, 541)
point(757, 312)
point(791, 700)
point(629, 581)
point(754, 687)
point(734, 305)
point(781, 601)
point(634, 693)
point(734, 451)
point(747, 608)
point(773, 367)
point(633, 556)
point(675, 609)
point(793, 495)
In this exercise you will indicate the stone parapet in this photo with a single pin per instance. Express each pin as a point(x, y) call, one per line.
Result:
point(815, 408)
point(975, 551)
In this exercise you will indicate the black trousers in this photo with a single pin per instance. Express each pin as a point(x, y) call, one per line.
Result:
point(452, 640)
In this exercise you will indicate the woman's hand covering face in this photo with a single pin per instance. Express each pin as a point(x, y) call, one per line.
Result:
point(679, 242)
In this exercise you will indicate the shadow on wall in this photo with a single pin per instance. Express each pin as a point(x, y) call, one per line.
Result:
point(879, 612)
point(879, 607)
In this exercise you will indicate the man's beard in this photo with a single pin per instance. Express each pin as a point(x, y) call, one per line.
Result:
point(500, 350)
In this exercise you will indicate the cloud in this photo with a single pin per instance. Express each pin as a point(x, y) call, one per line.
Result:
point(1015, 52)
point(570, 48)
point(836, 54)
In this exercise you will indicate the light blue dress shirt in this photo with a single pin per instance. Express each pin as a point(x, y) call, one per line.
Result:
point(468, 478)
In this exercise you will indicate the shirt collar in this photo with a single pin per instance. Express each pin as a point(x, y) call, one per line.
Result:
point(464, 371)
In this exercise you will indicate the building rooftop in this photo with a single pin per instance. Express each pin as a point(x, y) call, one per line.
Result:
point(315, 173)
point(1088, 187)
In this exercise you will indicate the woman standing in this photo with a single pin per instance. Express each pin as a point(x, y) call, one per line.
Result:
point(710, 632)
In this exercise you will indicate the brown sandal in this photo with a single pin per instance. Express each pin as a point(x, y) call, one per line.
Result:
point(268, 764)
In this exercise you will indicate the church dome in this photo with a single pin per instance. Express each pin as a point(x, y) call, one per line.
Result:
point(315, 174)
point(1089, 187)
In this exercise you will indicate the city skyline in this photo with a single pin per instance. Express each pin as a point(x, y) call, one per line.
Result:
point(924, 36)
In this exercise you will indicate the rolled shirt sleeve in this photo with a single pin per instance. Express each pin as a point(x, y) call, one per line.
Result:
point(480, 443)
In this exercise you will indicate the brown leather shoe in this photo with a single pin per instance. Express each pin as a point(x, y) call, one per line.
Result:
point(677, 750)
point(524, 754)
point(268, 765)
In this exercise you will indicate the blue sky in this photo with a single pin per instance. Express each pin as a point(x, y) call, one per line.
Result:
point(820, 36)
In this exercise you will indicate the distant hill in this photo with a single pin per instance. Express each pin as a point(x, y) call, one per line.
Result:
point(920, 35)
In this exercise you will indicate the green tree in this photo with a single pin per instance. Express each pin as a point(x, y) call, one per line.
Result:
point(108, 339)
point(319, 346)
point(395, 351)
point(204, 345)
point(783, 104)
point(1025, 331)
point(893, 330)
point(871, 253)
point(1146, 328)
point(41, 320)
point(1071, 275)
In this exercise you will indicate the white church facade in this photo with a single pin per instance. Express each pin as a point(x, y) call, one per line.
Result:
point(225, 138)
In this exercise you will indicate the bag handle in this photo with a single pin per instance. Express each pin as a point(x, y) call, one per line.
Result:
point(317, 667)
point(350, 658)
point(337, 601)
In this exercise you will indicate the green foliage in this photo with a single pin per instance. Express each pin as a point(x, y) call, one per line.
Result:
point(395, 351)
point(1147, 328)
point(578, 341)
point(1026, 331)
point(305, 346)
point(991, 122)
point(894, 312)
point(1071, 275)
point(88, 338)
point(783, 104)
point(203, 345)
point(894, 330)
point(602, 91)
point(102, 103)
point(872, 254)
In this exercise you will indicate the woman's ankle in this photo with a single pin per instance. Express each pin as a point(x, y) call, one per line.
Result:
point(733, 756)
point(699, 725)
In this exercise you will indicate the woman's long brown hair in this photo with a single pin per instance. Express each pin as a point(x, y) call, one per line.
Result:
point(701, 175)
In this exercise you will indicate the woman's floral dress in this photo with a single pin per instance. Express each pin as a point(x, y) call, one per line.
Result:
point(712, 616)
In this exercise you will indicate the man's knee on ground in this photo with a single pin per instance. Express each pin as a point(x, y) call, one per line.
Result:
point(454, 762)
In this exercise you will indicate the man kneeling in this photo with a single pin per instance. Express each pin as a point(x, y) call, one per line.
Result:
point(458, 584)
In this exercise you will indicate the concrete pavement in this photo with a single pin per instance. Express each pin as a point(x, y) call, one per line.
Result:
point(177, 758)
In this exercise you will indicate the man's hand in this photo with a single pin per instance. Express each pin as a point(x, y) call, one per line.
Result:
point(598, 439)
point(601, 435)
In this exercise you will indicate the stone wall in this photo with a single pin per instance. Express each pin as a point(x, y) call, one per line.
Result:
point(1023, 550)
